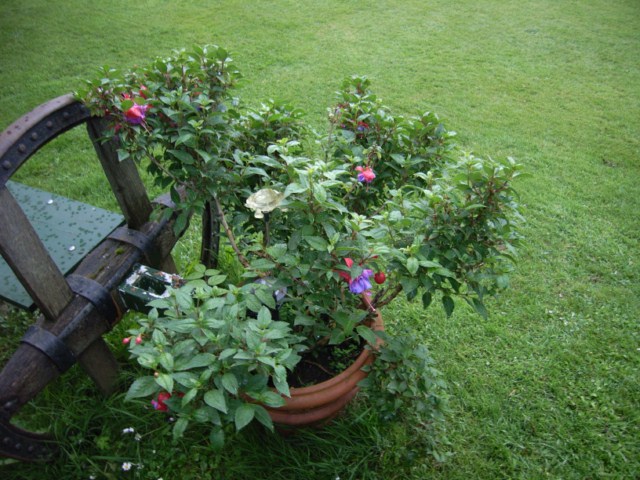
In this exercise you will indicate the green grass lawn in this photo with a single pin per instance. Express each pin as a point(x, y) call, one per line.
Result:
point(549, 385)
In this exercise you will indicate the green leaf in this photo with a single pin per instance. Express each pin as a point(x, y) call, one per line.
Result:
point(187, 139)
point(409, 285)
point(426, 299)
point(179, 427)
point(447, 303)
point(262, 264)
point(263, 417)
point(277, 251)
point(184, 299)
point(319, 193)
point(214, 280)
point(142, 387)
point(181, 326)
point(197, 361)
point(317, 243)
point(266, 297)
point(181, 223)
point(304, 320)
point(368, 334)
point(190, 395)
point(166, 360)
point(280, 381)
point(267, 360)
point(412, 265)
point(184, 157)
point(215, 398)
point(478, 305)
point(165, 381)
point(399, 159)
point(264, 317)
point(244, 415)
point(123, 155)
point(216, 437)
point(230, 383)
point(445, 272)
point(272, 399)
point(294, 188)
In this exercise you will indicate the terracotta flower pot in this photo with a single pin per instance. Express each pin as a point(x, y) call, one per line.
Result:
point(317, 404)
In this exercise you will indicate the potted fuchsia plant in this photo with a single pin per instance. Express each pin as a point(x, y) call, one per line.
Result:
point(306, 238)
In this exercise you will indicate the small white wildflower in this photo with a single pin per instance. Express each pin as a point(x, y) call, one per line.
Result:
point(128, 430)
point(138, 437)
point(126, 466)
point(92, 477)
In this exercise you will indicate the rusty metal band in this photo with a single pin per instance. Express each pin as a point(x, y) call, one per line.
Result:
point(54, 348)
point(132, 237)
point(23, 445)
point(95, 293)
point(25, 136)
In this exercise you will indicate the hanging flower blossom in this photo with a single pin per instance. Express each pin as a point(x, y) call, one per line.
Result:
point(136, 114)
point(361, 283)
point(159, 403)
point(366, 174)
point(362, 126)
point(344, 274)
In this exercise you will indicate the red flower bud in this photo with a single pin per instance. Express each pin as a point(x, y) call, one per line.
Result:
point(138, 339)
point(126, 340)
point(380, 277)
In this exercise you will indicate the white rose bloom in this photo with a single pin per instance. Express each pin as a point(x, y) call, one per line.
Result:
point(264, 201)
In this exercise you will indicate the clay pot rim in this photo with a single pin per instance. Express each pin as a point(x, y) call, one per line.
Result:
point(362, 359)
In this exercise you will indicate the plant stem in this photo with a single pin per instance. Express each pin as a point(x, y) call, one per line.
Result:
point(229, 233)
point(385, 301)
point(210, 245)
point(266, 239)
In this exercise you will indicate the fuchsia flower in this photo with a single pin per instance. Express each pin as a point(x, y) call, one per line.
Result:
point(366, 174)
point(136, 114)
point(159, 403)
point(360, 284)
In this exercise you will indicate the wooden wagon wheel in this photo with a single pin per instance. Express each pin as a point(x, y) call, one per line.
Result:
point(78, 309)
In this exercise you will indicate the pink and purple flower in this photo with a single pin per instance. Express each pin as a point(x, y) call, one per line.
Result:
point(365, 174)
point(159, 403)
point(361, 283)
point(136, 114)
